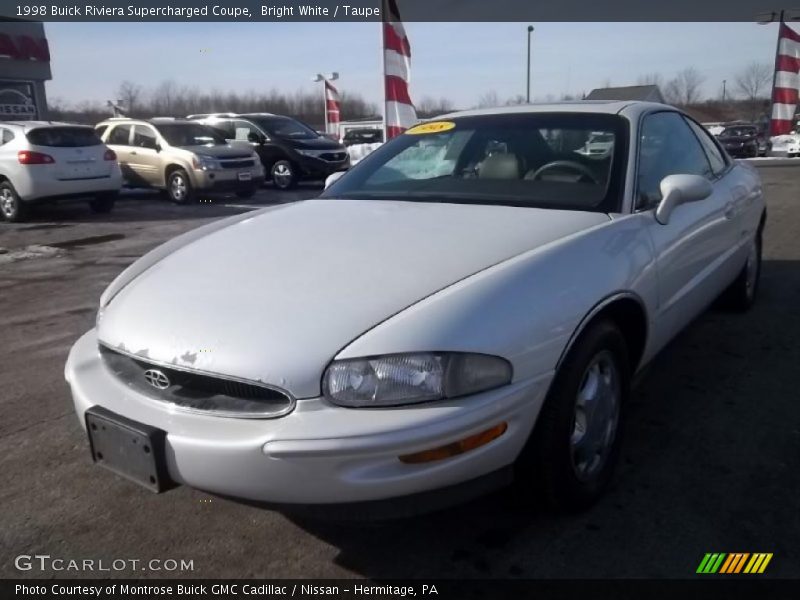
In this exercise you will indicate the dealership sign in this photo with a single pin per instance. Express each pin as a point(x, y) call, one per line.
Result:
point(24, 47)
point(16, 101)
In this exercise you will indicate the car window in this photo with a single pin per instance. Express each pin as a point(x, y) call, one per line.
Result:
point(242, 131)
point(667, 146)
point(63, 137)
point(223, 127)
point(8, 135)
point(120, 135)
point(567, 161)
point(713, 153)
point(101, 129)
point(190, 134)
point(144, 137)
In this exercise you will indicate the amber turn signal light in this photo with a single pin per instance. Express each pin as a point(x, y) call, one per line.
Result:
point(456, 448)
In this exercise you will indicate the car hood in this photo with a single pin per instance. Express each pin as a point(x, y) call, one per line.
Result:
point(274, 297)
point(320, 143)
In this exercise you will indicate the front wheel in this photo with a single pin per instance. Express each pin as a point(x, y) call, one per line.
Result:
point(573, 450)
point(179, 188)
point(283, 175)
point(12, 208)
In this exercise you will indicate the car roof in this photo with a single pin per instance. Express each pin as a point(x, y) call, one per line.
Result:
point(28, 125)
point(611, 107)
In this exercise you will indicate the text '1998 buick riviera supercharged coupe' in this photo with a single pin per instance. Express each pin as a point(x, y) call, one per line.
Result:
point(465, 307)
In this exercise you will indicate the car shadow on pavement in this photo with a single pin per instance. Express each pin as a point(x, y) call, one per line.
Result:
point(711, 439)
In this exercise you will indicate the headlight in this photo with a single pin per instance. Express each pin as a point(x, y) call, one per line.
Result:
point(204, 162)
point(412, 378)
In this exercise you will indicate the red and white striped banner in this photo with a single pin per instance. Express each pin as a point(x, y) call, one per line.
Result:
point(787, 81)
point(332, 117)
point(399, 110)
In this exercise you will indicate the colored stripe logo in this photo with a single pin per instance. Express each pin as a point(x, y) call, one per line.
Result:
point(736, 562)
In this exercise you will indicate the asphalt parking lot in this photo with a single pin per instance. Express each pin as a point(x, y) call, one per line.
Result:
point(710, 464)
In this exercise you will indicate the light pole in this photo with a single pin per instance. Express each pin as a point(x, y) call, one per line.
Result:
point(724, 83)
point(528, 87)
point(323, 78)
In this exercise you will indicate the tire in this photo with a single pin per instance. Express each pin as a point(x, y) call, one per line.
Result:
point(741, 295)
point(572, 452)
point(248, 193)
point(179, 187)
point(12, 208)
point(103, 203)
point(283, 174)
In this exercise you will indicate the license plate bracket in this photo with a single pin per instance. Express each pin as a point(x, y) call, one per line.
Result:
point(130, 449)
point(245, 176)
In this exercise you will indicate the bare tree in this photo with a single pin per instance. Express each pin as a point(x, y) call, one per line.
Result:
point(488, 100)
point(430, 107)
point(685, 88)
point(129, 94)
point(516, 100)
point(752, 83)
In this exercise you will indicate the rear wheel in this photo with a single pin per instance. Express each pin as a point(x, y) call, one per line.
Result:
point(283, 175)
point(103, 203)
point(742, 293)
point(573, 450)
point(179, 188)
point(11, 206)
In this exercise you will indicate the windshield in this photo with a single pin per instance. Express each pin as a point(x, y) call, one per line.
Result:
point(738, 132)
point(545, 160)
point(284, 127)
point(190, 134)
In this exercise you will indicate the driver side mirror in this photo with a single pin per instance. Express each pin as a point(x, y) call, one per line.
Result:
point(333, 178)
point(680, 189)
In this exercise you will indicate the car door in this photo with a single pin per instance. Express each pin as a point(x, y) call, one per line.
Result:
point(144, 156)
point(119, 140)
point(693, 250)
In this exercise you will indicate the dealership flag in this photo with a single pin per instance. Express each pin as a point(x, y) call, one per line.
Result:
point(399, 112)
point(331, 108)
point(787, 81)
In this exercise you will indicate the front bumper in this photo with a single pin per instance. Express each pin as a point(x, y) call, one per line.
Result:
point(227, 180)
point(316, 168)
point(319, 453)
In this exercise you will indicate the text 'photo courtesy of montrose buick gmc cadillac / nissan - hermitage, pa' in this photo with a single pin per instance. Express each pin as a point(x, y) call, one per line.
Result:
point(465, 307)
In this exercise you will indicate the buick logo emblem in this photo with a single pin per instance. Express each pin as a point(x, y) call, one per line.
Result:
point(157, 379)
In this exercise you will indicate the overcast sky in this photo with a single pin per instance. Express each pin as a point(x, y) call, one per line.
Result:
point(459, 61)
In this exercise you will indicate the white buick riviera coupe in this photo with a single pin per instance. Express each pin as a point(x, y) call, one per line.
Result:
point(466, 306)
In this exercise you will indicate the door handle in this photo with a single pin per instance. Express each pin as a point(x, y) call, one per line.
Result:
point(729, 210)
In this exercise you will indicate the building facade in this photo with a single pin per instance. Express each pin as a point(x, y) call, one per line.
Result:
point(24, 68)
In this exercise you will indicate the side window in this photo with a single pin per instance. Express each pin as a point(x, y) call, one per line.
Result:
point(242, 131)
point(100, 130)
point(223, 127)
point(7, 136)
point(713, 153)
point(667, 146)
point(120, 135)
point(144, 137)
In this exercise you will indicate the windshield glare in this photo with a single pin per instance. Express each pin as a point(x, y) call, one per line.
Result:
point(550, 160)
point(190, 134)
point(284, 127)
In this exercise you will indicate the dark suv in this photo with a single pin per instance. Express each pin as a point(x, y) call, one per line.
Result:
point(289, 150)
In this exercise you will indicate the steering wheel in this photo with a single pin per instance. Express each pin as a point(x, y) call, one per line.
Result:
point(583, 170)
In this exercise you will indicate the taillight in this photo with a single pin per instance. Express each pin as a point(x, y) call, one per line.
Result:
point(110, 155)
point(27, 157)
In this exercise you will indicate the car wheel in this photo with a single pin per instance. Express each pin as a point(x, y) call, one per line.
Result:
point(11, 207)
point(283, 175)
point(103, 203)
point(248, 193)
point(179, 188)
point(742, 293)
point(573, 450)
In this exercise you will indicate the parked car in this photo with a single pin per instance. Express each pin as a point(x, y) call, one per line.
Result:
point(599, 145)
point(744, 141)
point(44, 161)
point(290, 151)
point(362, 136)
point(787, 145)
point(467, 306)
point(181, 157)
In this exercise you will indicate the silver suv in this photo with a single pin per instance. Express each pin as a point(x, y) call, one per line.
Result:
point(181, 157)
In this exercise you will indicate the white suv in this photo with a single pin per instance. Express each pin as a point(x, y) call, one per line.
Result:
point(44, 160)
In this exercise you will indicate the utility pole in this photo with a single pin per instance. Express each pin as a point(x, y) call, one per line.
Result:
point(528, 86)
point(724, 83)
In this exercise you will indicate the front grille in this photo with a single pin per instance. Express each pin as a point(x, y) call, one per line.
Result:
point(237, 164)
point(333, 156)
point(198, 392)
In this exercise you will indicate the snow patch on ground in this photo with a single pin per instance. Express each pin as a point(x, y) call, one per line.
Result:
point(28, 252)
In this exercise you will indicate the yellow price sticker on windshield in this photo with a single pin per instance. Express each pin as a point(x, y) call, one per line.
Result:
point(432, 127)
